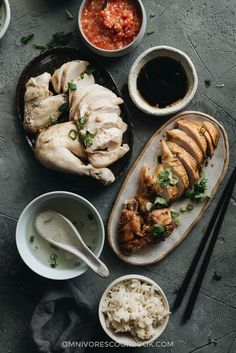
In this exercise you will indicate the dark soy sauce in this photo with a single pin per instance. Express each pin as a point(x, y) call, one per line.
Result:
point(162, 82)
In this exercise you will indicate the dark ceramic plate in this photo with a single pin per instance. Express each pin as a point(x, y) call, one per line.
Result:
point(49, 61)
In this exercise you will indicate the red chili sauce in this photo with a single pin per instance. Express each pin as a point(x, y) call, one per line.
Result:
point(114, 27)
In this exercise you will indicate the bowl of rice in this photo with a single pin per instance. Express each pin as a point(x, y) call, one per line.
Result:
point(133, 311)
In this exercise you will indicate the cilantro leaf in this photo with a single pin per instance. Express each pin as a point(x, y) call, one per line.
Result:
point(25, 39)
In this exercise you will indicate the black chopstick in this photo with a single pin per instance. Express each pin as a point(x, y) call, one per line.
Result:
point(182, 290)
point(203, 268)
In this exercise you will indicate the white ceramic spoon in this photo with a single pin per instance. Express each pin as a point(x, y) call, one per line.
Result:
point(60, 231)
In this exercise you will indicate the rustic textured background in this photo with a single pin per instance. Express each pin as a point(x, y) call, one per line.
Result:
point(205, 30)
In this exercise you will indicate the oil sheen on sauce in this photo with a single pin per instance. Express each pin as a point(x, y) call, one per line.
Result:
point(162, 82)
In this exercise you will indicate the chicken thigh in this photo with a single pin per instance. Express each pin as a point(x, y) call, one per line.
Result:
point(59, 148)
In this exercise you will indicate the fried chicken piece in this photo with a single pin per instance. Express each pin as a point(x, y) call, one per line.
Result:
point(147, 188)
point(146, 235)
point(130, 224)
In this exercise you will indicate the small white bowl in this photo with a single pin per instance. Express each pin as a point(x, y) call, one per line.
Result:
point(117, 52)
point(70, 205)
point(127, 339)
point(153, 53)
point(7, 17)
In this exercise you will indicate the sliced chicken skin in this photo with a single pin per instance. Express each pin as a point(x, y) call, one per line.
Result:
point(36, 91)
point(101, 159)
point(187, 160)
point(45, 113)
point(194, 130)
point(210, 146)
point(56, 150)
point(188, 143)
point(169, 193)
point(213, 131)
point(68, 72)
point(169, 161)
point(147, 189)
point(98, 120)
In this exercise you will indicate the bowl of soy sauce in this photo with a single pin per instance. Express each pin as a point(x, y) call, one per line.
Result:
point(162, 81)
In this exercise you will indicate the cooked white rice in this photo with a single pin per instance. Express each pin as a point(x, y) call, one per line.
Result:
point(135, 307)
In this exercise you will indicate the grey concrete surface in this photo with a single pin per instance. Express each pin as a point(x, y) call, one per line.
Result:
point(205, 30)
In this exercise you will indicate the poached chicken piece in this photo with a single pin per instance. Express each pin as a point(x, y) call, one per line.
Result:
point(58, 148)
point(94, 132)
point(36, 91)
point(68, 72)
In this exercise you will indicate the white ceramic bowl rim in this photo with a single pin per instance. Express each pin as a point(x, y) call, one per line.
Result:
point(144, 20)
point(59, 274)
point(140, 103)
point(7, 18)
point(121, 340)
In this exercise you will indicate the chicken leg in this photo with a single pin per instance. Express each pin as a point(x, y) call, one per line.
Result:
point(58, 148)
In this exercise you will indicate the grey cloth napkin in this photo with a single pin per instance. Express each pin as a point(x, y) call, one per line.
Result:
point(62, 317)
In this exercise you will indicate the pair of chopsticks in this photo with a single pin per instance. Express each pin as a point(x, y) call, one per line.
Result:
point(214, 229)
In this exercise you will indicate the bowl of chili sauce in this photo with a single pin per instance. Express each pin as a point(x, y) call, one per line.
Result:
point(112, 28)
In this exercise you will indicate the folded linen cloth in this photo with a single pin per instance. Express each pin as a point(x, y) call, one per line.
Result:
point(61, 320)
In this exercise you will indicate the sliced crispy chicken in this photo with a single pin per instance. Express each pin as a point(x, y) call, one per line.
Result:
point(130, 224)
point(194, 130)
point(210, 146)
point(187, 160)
point(188, 143)
point(132, 238)
point(169, 192)
point(213, 131)
point(56, 150)
point(147, 189)
point(36, 91)
point(46, 113)
point(101, 159)
point(169, 161)
point(68, 72)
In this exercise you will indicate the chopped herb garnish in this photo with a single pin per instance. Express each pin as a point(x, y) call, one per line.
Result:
point(89, 71)
point(198, 191)
point(25, 39)
point(58, 38)
point(82, 122)
point(53, 119)
point(202, 130)
point(159, 231)
point(160, 202)
point(53, 258)
point(216, 277)
point(183, 208)
point(149, 206)
point(77, 264)
point(207, 83)
point(69, 15)
point(87, 138)
point(190, 207)
point(32, 238)
point(176, 217)
point(152, 15)
point(54, 247)
point(212, 340)
point(47, 221)
point(73, 135)
point(166, 177)
point(90, 216)
point(150, 31)
point(72, 86)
